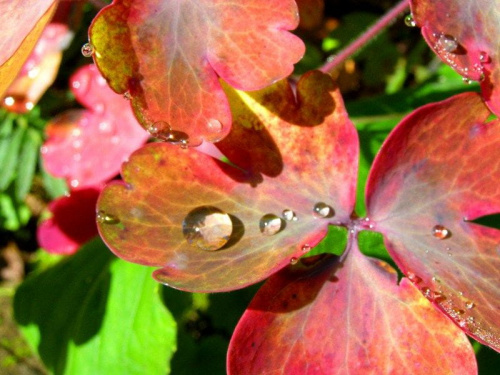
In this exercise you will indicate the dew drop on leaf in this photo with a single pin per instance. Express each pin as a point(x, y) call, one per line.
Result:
point(322, 210)
point(294, 261)
point(413, 278)
point(87, 50)
point(410, 21)
point(289, 215)
point(306, 247)
point(104, 218)
point(447, 43)
point(207, 228)
point(469, 305)
point(127, 95)
point(483, 57)
point(427, 292)
point(270, 224)
point(466, 80)
point(214, 126)
point(440, 232)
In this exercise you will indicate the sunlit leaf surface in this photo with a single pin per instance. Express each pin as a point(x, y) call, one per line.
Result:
point(168, 56)
point(88, 146)
point(330, 315)
point(436, 172)
point(464, 34)
point(22, 23)
point(213, 230)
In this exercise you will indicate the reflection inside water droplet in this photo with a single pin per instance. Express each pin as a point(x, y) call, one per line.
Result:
point(289, 215)
point(207, 228)
point(270, 224)
point(105, 218)
point(214, 126)
point(441, 232)
point(447, 43)
point(87, 50)
point(409, 21)
point(322, 210)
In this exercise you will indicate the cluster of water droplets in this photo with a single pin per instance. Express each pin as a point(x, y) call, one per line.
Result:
point(457, 306)
point(164, 132)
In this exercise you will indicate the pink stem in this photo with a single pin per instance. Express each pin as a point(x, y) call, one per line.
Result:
point(336, 60)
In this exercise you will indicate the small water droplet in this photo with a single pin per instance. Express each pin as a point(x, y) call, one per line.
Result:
point(88, 50)
point(427, 292)
point(322, 210)
point(74, 183)
point(467, 81)
point(439, 297)
point(457, 312)
point(462, 323)
point(207, 228)
point(413, 278)
point(105, 218)
point(127, 95)
point(484, 57)
point(448, 43)
point(289, 215)
point(441, 232)
point(214, 126)
point(159, 129)
point(470, 319)
point(270, 224)
point(469, 305)
point(306, 247)
point(410, 21)
point(294, 261)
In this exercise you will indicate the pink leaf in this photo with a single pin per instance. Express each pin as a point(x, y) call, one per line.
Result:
point(465, 36)
point(172, 208)
point(169, 55)
point(345, 316)
point(72, 222)
point(87, 147)
point(436, 172)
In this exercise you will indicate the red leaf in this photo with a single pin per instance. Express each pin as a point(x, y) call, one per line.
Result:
point(438, 170)
point(345, 316)
point(40, 69)
point(72, 223)
point(22, 23)
point(88, 146)
point(166, 185)
point(465, 36)
point(168, 56)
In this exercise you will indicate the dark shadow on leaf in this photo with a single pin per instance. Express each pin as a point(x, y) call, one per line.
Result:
point(491, 221)
point(297, 286)
point(66, 302)
point(237, 233)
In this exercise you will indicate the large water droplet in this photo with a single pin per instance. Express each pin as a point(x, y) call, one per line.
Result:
point(105, 218)
point(322, 210)
point(448, 43)
point(214, 126)
point(88, 50)
point(410, 21)
point(441, 232)
point(289, 215)
point(270, 224)
point(207, 228)
point(159, 129)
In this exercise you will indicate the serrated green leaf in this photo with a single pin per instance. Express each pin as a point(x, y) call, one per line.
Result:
point(93, 313)
point(10, 159)
point(26, 165)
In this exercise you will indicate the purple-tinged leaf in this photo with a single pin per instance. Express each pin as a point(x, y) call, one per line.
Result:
point(330, 315)
point(168, 56)
point(210, 231)
point(437, 171)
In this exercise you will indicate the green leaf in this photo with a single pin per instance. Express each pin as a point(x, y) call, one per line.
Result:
point(93, 312)
point(54, 186)
point(10, 159)
point(5, 134)
point(27, 163)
